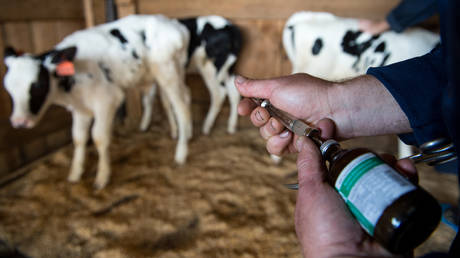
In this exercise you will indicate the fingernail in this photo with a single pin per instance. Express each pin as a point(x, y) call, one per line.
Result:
point(299, 143)
point(272, 124)
point(284, 134)
point(259, 116)
point(240, 79)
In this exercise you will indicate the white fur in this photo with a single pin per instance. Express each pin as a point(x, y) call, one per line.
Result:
point(203, 64)
point(332, 63)
point(161, 60)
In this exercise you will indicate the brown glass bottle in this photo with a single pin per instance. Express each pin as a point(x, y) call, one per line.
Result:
point(395, 212)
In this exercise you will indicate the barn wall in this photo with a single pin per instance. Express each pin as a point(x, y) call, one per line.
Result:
point(35, 26)
point(262, 23)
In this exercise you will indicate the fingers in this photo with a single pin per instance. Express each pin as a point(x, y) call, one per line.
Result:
point(246, 106)
point(273, 127)
point(259, 116)
point(404, 166)
point(255, 88)
point(278, 144)
point(407, 168)
point(327, 127)
point(309, 162)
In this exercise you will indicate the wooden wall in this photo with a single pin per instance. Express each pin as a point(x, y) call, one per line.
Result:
point(35, 26)
point(262, 22)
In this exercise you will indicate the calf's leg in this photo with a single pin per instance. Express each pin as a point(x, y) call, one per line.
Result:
point(80, 131)
point(148, 98)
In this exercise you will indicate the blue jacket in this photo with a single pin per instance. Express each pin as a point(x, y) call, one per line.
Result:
point(411, 12)
point(427, 88)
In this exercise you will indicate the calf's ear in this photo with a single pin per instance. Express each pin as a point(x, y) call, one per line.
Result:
point(63, 55)
point(9, 52)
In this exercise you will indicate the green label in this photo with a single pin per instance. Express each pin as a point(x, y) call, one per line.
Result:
point(357, 173)
point(365, 223)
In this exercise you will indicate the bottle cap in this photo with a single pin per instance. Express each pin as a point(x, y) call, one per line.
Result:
point(325, 146)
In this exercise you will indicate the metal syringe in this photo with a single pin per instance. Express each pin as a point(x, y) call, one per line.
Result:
point(434, 152)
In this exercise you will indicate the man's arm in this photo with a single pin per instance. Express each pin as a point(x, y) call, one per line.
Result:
point(410, 12)
point(417, 85)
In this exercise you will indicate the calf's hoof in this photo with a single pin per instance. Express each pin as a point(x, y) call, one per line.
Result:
point(74, 176)
point(100, 183)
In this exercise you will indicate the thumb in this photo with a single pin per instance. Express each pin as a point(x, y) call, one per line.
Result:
point(309, 162)
point(255, 88)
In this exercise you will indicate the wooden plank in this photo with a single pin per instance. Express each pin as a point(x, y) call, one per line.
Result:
point(89, 13)
point(125, 10)
point(261, 9)
point(18, 35)
point(21, 10)
point(99, 11)
point(12, 157)
point(35, 149)
point(44, 35)
point(261, 53)
point(120, 2)
point(133, 108)
point(54, 120)
point(5, 105)
point(65, 28)
point(59, 138)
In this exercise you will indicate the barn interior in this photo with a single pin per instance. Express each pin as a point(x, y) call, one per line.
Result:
point(228, 200)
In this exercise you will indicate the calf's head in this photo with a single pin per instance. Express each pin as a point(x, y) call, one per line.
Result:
point(31, 82)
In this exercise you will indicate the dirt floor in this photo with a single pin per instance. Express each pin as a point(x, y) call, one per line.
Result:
point(227, 201)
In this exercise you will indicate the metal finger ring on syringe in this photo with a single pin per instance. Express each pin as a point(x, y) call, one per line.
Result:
point(434, 152)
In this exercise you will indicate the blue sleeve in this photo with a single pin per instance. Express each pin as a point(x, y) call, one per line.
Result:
point(411, 12)
point(417, 85)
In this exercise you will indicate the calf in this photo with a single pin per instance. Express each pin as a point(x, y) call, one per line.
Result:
point(212, 52)
point(333, 48)
point(87, 72)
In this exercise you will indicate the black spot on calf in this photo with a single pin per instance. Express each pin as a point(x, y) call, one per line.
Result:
point(195, 40)
point(221, 43)
point(66, 54)
point(66, 83)
point(117, 34)
point(385, 59)
point(380, 48)
point(350, 44)
point(134, 54)
point(106, 71)
point(291, 28)
point(39, 90)
point(143, 37)
point(9, 51)
point(317, 46)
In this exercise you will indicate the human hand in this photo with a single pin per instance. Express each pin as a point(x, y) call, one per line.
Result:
point(373, 27)
point(324, 225)
point(301, 95)
point(359, 107)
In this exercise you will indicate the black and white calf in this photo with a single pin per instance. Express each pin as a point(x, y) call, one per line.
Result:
point(212, 52)
point(87, 73)
point(333, 48)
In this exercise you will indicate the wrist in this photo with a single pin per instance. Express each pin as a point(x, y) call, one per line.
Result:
point(340, 112)
point(364, 107)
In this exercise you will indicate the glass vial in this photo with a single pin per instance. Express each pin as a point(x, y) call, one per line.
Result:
point(395, 212)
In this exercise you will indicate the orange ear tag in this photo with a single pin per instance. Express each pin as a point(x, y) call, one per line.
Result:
point(65, 68)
